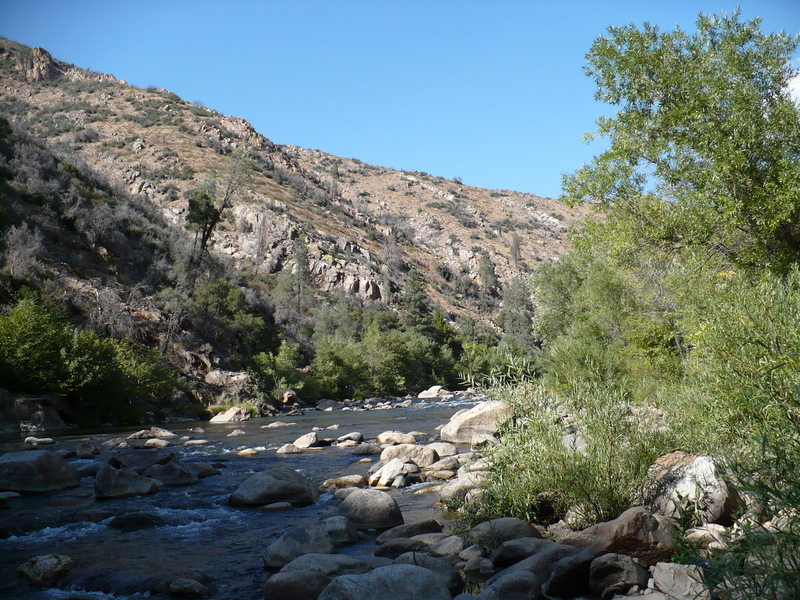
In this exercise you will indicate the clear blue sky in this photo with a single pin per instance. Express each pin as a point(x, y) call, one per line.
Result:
point(492, 92)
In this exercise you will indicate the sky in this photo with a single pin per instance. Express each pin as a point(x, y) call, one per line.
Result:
point(492, 92)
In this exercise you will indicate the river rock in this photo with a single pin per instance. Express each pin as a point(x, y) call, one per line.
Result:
point(296, 542)
point(613, 574)
point(341, 530)
point(37, 441)
point(423, 456)
point(371, 509)
point(122, 483)
point(392, 582)
point(387, 473)
point(522, 585)
point(694, 479)
point(295, 585)
point(233, 414)
point(408, 530)
point(681, 582)
point(36, 471)
point(86, 450)
point(366, 450)
point(354, 436)
point(481, 420)
point(140, 460)
point(344, 481)
point(157, 443)
point(439, 565)
point(309, 440)
point(134, 521)
point(397, 546)
point(395, 437)
point(500, 530)
point(540, 563)
point(186, 587)
point(289, 449)
point(278, 484)
point(171, 473)
point(456, 490)
point(331, 565)
point(45, 570)
point(513, 551)
point(443, 449)
point(202, 469)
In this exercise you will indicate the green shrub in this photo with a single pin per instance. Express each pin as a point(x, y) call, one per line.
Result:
point(546, 465)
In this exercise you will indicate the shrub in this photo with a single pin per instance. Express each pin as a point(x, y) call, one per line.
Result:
point(546, 465)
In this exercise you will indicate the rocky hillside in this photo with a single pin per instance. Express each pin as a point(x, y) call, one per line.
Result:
point(101, 175)
point(357, 217)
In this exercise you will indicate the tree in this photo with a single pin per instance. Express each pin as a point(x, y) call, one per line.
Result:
point(209, 202)
point(705, 145)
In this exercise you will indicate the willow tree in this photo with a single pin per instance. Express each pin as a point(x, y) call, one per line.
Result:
point(705, 143)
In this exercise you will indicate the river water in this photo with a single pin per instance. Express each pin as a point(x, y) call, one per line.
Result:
point(202, 535)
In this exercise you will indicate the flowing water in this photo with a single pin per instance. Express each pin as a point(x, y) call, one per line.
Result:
point(201, 536)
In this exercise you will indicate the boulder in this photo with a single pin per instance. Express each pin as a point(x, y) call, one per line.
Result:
point(397, 546)
point(613, 574)
point(309, 440)
point(450, 545)
point(637, 533)
point(365, 450)
point(345, 481)
point(37, 441)
point(681, 582)
point(541, 563)
point(442, 566)
point(202, 469)
point(513, 551)
point(140, 461)
point(432, 392)
point(443, 449)
point(410, 529)
point(395, 437)
point(457, 489)
point(521, 585)
point(483, 419)
point(371, 509)
point(341, 530)
point(691, 478)
point(391, 582)
point(289, 449)
point(326, 404)
point(171, 473)
point(122, 483)
point(296, 542)
point(423, 456)
point(232, 415)
point(36, 471)
point(497, 531)
point(295, 585)
point(387, 473)
point(186, 587)
point(134, 521)
point(45, 570)
point(278, 484)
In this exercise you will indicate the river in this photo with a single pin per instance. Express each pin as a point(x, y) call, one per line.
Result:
point(201, 534)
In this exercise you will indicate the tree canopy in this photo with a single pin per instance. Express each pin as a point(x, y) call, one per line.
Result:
point(705, 145)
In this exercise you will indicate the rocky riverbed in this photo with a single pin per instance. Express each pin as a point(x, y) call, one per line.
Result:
point(331, 504)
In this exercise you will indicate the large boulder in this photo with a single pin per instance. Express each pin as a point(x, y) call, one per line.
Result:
point(481, 420)
point(392, 582)
point(371, 509)
point(408, 530)
point(278, 484)
point(682, 582)
point(693, 479)
point(497, 531)
point(36, 471)
point(395, 437)
point(613, 574)
point(122, 483)
point(330, 565)
point(141, 460)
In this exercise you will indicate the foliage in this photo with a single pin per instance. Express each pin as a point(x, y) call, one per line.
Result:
point(546, 465)
point(102, 378)
point(705, 142)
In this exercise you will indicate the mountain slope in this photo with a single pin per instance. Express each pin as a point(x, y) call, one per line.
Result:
point(364, 228)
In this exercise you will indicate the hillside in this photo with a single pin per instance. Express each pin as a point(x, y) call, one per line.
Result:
point(363, 228)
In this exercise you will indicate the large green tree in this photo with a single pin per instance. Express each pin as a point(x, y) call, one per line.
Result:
point(705, 143)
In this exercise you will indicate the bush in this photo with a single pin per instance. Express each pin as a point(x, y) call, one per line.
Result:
point(547, 464)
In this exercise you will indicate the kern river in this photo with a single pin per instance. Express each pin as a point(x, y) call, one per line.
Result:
point(201, 534)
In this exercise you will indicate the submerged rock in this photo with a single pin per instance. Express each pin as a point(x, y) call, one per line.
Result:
point(45, 570)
